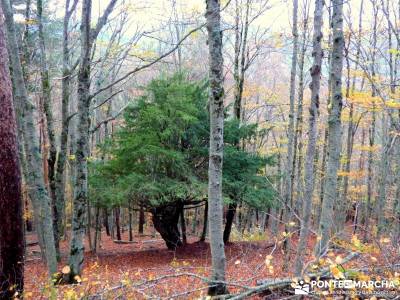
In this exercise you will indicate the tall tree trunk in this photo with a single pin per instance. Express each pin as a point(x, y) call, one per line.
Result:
point(312, 135)
point(59, 192)
point(239, 76)
point(343, 207)
point(288, 196)
point(372, 129)
point(82, 146)
point(388, 140)
point(396, 207)
point(34, 177)
point(216, 106)
point(88, 36)
point(12, 243)
point(298, 141)
point(48, 110)
point(383, 173)
point(334, 128)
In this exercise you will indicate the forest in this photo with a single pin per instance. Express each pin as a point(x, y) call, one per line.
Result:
point(199, 149)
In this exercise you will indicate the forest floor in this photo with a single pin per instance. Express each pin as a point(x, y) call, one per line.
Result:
point(146, 269)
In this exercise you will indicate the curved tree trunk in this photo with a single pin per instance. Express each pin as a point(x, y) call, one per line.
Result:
point(165, 220)
point(229, 221)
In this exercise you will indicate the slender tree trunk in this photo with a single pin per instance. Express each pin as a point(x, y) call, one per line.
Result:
point(312, 135)
point(12, 242)
point(396, 207)
point(216, 106)
point(388, 140)
point(117, 222)
point(288, 196)
point(382, 180)
point(183, 226)
point(141, 219)
point(372, 128)
point(105, 216)
point(205, 220)
point(48, 110)
point(59, 192)
point(342, 206)
point(88, 36)
point(335, 130)
point(298, 141)
point(34, 177)
point(239, 76)
point(370, 177)
point(130, 221)
point(360, 205)
point(97, 229)
point(322, 177)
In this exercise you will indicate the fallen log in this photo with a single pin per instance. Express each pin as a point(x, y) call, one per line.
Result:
point(124, 242)
point(136, 242)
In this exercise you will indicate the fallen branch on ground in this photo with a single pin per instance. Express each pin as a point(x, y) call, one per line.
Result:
point(135, 242)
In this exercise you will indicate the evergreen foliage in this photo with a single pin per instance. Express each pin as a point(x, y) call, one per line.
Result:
point(160, 155)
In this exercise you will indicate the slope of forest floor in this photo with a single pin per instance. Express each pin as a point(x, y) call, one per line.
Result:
point(147, 269)
point(137, 270)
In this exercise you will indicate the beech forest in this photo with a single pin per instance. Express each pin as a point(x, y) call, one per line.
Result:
point(199, 149)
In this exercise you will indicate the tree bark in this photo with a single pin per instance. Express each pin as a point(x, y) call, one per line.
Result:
point(298, 141)
point(372, 129)
point(288, 196)
point(205, 220)
point(34, 177)
point(48, 110)
point(117, 222)
point(88, 36)
point(183, 226)
point(141, 219)
point(59, 192)
point(130, 221)
point(216, 106)
point(165, 220)
point(239, 76)
point(334, 128)
point(12, 243)
point(312, 135)
point(106, 225)
point(229, 221)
